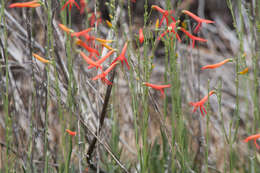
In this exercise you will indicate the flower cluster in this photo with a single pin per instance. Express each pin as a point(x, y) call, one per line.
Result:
point(172, 25)
point(91, 52)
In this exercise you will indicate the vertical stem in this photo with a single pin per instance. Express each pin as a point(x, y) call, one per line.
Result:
point(239, 32)
point(207, 134)
point(6, 100)
point(48, 54)
point(146, 62)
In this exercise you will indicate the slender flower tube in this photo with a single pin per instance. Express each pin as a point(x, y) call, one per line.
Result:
point(198, 19)
point(70, 3)
point(65, 28)
point(106, 46)
point(90, 61)
point(71, 133)
point(122, 58)
point(41, 58)
point(141, 36)
point(253, 137)
point(109, 24)
point(194, 38)
point(157, 24)
point(89, 49)
point(103, 41)
point(244, 71)
point(103, 75)
point(81, 33)
point(158, 87)
point(31, 4)
point(212, 66)
point(101, 60)
point(165, 14)
point(200, 103)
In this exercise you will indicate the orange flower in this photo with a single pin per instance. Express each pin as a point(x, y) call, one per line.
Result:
point(101, 60)
point(122, 58)
point(78, 34)
point(158, 87)
point(141, 36)
point(41, 58)
point(157, 24)
point(216, 65)
point(253, 137)
point(194, 38)
point(165, 14)
point(109, 24)
point(65, 28)
point(71, 133)
point(106, 46)
point(89, 49)
point(90, 61)
point(200, 103)
point(70, 3)
point(31, 4)
point(100, 40)
point(244, 71)
point(198, 19)
point(103, 75)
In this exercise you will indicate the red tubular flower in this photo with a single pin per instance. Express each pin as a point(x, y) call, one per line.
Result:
point(122, 58)
point(158, 87)
point(90, 39)
point(212, 66)
point(194, 38)
point(31, 4)
point(93, 19)
point(200, 103)
point(253, 137)
point(141, 36)
point(103, 75)
point(165, 14)
point(82, 6)
point(89, 49)
point(90, 61)
point(92, 56)
point(71, 133)
point(70, 3)
point(101, 60)
point(198, 19)
point(171, 28)
point(81, 33)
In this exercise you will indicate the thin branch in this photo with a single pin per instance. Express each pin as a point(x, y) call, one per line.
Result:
point(105, 146)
